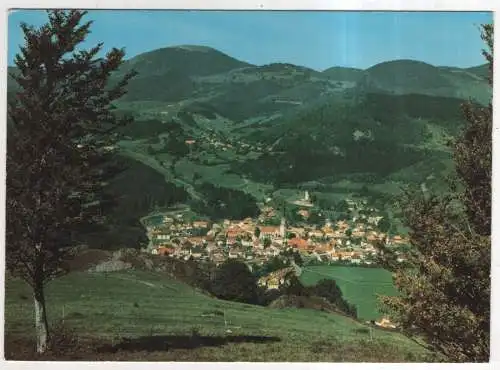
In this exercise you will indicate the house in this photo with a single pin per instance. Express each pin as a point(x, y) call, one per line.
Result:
point(297, 231)
point(328, 232)
point(356, 258)
point(316, 234)
point(237, 232)
point(298, 243)
point(385, 323)
point(235, 253)
point(271, 232)
point(257, 244)
point(168, 220)
point(342, 225)
point(276, 279)
point(322, 248)
point(398, 239)
point(201, 225)
point(334, 256)
point(247, 243)
point(304, 213)
point(197, 240)
point(161, 235)
point(272, 251)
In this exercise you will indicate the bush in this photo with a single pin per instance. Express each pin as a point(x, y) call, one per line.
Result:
point(329, 290)
point(235, 282)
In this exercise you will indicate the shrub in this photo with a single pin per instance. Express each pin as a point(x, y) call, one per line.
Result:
point(235, 282)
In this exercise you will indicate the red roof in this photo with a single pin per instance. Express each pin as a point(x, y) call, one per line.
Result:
point(298, 243)
point(269, 229)
point(165, 250)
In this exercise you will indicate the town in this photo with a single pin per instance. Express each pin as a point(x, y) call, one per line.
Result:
point(352, 240)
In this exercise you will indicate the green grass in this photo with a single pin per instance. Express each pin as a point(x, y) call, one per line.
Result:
point(134, 304)
point(359, 285)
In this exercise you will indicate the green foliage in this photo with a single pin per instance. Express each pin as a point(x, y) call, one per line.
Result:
point(445, 291)
point(325, 288)
point(396, 130)
point(221, 203)
point(57, 165)
point(235, 282)
point(344, 74)
point(267, 242)
point(122, 224)
point(329, 289)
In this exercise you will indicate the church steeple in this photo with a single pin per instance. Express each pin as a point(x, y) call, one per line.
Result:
point(283, 227)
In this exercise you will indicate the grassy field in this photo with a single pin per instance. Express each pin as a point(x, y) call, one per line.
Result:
point(359, 285)
point(153, 309)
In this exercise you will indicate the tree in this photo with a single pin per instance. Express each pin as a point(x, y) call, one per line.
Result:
point(256, 232)
point(235, 282)
point(384, 225)
point(329, 290)
point(267, 242)
point(57, 162)
point(445, 288)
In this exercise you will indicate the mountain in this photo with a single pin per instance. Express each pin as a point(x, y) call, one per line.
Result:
point(262, 129)
point(168, 74)
point(481, 71)
point(344, 73)
point(415, 77)
point(189, 60)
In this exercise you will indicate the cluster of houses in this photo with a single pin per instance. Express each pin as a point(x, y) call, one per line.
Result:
point(214, 141)
point(251, 240)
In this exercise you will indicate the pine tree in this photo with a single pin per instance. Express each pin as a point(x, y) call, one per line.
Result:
point(58, 155)
point(445, 289)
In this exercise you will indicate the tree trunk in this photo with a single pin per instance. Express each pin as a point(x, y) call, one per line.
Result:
point(41, 323)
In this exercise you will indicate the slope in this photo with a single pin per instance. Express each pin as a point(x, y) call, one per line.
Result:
point(165, 318)
point(415, 77)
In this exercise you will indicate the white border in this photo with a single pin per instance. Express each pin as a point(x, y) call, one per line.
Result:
point(262, 4)
point(430, 5)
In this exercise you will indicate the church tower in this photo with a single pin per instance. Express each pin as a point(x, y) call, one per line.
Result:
point(283, 227)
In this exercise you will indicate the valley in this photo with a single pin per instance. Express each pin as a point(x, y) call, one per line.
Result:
point(293, 172)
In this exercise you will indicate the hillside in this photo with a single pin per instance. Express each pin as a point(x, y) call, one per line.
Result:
point(190, 60)
point(415, 77)
point(481, 71)
point(264, 130)
point(148, 316)
point(344, 73)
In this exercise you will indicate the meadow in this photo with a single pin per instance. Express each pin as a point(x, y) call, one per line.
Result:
point(158, 312)
point(360, 285)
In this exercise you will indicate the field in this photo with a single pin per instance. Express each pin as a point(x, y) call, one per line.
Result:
point(359, 285)
point(166, 320)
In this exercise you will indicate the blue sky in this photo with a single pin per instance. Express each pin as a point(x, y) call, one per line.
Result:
point(314, 39)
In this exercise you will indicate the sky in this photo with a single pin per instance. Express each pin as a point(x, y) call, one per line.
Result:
point(319, 39)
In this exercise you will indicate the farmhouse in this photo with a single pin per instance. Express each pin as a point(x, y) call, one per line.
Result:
point(276, 279)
